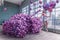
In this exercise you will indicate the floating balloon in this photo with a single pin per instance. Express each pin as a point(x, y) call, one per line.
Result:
point(31, 1)
point(50, 9)
point(46, 6)
point(52, 4)
point(40, 1)
point(5, 9)
point(57, 1)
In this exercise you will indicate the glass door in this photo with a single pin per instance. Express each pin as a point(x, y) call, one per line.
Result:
point(51, 21)
point(57, 21)
point(54, 20)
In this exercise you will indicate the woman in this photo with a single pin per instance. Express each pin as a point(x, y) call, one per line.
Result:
point(45, 22)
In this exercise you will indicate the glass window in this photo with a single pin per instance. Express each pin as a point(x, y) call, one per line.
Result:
point(48, 14)
point(25, 10)
point(58, 4)
point(39, 14)
point(48, 1)
point(36, 8)
point(58, 14)
point(31, 12)
point(36, 15)
point(57, 9)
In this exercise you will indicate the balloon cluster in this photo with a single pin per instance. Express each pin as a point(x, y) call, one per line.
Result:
point(21, 24)
point(49, 6)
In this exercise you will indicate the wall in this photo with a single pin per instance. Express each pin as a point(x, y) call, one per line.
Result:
point(11, 10)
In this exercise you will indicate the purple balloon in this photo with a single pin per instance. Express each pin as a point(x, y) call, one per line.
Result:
point(57, 1)
point(46, 6)
point(31, 1)
point(52, 4)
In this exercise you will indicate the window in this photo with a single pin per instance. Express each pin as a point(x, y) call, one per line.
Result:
point(25, 10)
point(58, 4)
point(36, 8)
point(32, 9)
point(55, 17)
point(57, 9)
point(58, 14)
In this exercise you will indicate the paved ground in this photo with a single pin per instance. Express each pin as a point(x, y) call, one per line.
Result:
point(41, 36)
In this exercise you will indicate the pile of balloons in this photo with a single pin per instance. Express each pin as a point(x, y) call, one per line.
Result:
point(36, 25)
point(21, 24)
